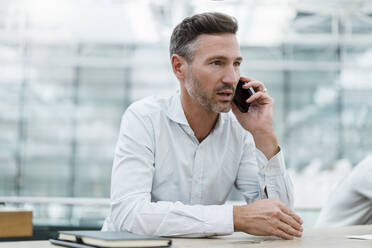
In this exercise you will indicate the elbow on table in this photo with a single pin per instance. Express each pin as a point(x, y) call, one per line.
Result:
point(130, 216)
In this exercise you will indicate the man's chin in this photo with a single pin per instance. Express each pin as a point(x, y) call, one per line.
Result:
point(223, 108)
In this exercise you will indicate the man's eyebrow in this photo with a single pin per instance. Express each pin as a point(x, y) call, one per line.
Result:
point(224, 58)
point(239, 58)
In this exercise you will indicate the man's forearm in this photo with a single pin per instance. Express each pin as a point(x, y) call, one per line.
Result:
point(266, 142)
point(171, 218)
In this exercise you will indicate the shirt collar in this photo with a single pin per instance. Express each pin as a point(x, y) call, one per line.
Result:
point(175, 112)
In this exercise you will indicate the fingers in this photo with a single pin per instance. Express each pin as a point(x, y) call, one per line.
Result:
point(288, 229)
point(257, 85)
point(289, 220)
point(246, 79)
point(268, 217)
point(259, 88)
point(283, 227)
point(259, 96)
point(281, 234)
point(287, 211)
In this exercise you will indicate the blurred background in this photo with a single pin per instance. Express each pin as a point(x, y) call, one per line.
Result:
point(69, 69)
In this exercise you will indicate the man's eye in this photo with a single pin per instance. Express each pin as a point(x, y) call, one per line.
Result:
point(216, 63)
point(237, 63)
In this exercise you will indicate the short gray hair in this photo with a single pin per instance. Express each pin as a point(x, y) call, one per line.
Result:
point(186, 33)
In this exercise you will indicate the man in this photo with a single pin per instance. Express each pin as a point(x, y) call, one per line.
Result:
point(178, 158)
point(351, 201)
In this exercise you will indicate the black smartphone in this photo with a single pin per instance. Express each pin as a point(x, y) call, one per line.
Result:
point(241, 95)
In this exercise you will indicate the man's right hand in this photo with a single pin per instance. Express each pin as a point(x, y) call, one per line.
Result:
point(267, 217)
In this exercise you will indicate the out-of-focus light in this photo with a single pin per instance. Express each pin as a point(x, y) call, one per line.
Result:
point(142, 21)
point(325, 95)
point(268, 24)
point(260, 22)
point(89, 21)
point(46, 13)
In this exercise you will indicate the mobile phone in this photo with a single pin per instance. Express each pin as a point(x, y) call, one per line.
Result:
point(241, 95)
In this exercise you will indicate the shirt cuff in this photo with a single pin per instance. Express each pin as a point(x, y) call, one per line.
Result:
point(219, 220)
point(273, 167)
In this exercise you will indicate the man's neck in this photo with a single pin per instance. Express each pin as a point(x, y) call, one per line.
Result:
point(200, 119)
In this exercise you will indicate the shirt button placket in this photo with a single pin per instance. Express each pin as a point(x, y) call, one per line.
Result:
point(196, 177)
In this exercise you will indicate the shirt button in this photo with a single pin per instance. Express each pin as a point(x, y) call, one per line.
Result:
point(267, 169)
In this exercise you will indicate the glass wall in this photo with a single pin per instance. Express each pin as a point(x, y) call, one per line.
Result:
point(63, 98)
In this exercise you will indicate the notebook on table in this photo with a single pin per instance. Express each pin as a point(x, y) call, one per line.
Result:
point(108, 239)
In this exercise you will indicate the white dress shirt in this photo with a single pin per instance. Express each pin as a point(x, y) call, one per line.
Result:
point(167, 183)
point(351, 202)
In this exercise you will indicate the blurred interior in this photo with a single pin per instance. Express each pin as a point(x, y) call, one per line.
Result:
point(69, 69)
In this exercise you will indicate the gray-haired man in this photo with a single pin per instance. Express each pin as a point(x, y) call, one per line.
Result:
point(177, 158)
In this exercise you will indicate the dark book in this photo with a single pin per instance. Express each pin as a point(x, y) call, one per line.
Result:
point(112, 239)
point(69, 244)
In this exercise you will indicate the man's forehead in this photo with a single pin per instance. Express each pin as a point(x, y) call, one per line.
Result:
point(223, 46)
point(222, 57)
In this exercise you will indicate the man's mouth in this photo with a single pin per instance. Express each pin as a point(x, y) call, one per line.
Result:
point(225, 95)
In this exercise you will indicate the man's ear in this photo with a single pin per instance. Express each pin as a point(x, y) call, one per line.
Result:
point(179, 66)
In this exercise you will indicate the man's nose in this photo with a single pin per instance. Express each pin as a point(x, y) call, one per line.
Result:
point(231, 75)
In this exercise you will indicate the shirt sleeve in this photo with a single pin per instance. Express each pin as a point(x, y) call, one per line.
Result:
point(256, 173)
point(131, 184)
point(360, 178)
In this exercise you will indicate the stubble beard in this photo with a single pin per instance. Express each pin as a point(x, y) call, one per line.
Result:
point(196, 91)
